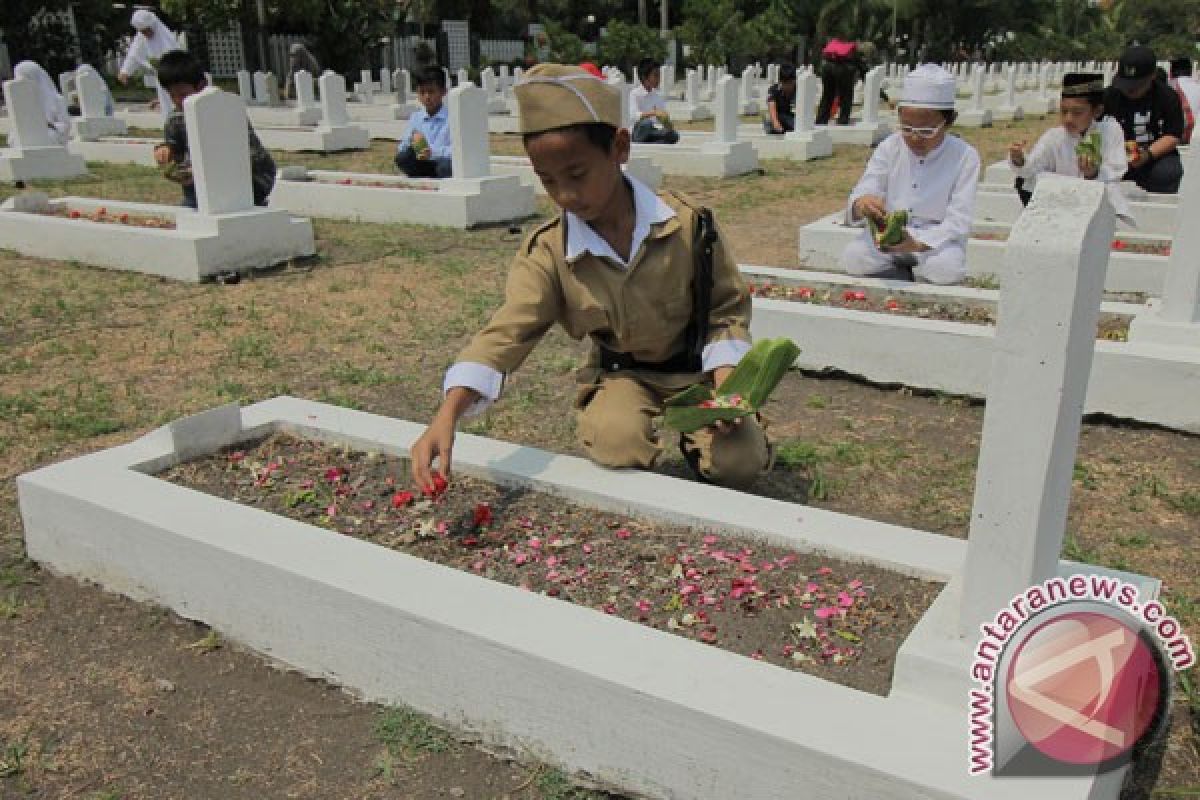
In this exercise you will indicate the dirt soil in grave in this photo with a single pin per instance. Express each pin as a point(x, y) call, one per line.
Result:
point(103, 698)
point(841, 622)
point(1112, 327)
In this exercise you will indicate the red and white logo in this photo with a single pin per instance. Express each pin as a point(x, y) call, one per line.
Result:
point(1083, 688)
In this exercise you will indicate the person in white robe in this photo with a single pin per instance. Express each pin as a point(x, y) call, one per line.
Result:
point(1081, 114)
point(152, 40)
point(925, 171)
point(54, 105)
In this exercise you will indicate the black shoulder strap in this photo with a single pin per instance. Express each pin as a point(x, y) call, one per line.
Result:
point(702, 284)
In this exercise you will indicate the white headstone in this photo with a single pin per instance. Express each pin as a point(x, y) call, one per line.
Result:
point(385, 81)
point(333, 100)
point(1044, 81)
point(487, 79)
point(220, 150)
point(806, 100)
point(1055, 262)
point(463, 78)
point(727, 109)
point(1010, 87)
point(504, 79)
point(366, 86)
point(692, 91)
point(93, 95)
point(624, 89)
point(518, 75)
point(260, 88)
point(400, 86)
point(977, 88)
point(245, 87)
point(27, 121)
point(470, 155)
point(668, 78)
point(305, 95)
point(405, 83)
point(746, 89)
point(272, 87)
point(871, 96)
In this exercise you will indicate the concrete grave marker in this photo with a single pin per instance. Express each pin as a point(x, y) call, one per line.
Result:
point(1045, 340)
point(245, 87)
point(333, 100)
point(306, 97)
point(400, 85)
point(727, 110)
point(271, 84)
point(1175, 320)
point(260, 89)
point(366, 86)
point(27, 123)
point(220, 150)
point(469, 132)
point(94, 119)
point(385, 81)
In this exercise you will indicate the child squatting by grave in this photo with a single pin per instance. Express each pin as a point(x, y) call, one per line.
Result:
point(648, 116)
point(925, 172)
point(1085, 144)
point(425, 149)
point(182, 76)
point(617, 265)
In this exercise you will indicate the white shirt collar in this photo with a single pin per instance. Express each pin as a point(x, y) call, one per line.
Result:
point(649, 210)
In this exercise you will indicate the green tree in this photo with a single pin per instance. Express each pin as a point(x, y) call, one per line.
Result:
point(33, 30)
point(564, 46)
point(623, 45)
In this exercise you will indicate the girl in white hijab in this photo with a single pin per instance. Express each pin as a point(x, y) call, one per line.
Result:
point(54, 107)
point(152, 40)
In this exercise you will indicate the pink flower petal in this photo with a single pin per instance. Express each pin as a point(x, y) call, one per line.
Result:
point(710, 539)
point(623, 533)
point(854, 584)
point(845, 600)
point(825, 571)
point(825, 613)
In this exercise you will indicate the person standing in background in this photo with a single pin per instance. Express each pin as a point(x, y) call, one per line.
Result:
point(153, 39)
point(299, 58)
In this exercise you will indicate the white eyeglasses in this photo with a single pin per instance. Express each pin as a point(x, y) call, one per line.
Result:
point(920, 133)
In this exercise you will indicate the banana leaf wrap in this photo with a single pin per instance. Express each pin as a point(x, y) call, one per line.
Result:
point(1090, 146)
point(743, 393)
point(893, 229)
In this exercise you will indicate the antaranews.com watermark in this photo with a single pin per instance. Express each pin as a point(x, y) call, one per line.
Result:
point(1071, 676)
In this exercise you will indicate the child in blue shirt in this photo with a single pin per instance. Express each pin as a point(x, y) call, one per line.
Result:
point(424, 152)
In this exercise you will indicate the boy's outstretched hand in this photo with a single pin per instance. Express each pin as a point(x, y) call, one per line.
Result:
point(436, 442)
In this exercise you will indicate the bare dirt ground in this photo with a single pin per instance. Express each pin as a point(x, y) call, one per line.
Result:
point(104, 698)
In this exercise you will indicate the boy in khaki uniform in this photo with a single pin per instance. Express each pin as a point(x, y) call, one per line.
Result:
point(617, 265)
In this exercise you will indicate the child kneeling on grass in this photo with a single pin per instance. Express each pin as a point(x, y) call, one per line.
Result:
point(616, 265)
point(425, 150)
point(931, 175)
point(1067, 149)
point(181, 76)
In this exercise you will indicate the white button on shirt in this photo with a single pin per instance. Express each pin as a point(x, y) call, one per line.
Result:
point(582, 239)
point(938, 189)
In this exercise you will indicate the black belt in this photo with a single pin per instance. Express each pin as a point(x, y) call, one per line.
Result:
point(612, 361)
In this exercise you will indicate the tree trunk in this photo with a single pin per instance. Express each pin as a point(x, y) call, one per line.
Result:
point(642, 12)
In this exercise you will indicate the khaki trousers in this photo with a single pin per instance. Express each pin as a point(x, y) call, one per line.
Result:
point(615, 425)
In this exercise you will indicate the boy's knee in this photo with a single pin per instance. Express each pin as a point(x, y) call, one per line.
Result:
point(618, 440)
point(944, 267)
point(858, 258)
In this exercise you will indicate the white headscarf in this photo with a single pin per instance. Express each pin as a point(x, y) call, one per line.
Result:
point(141, 50)
point(54, 106)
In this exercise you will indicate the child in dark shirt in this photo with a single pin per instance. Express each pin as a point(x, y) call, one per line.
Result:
point(781, 102)
point(182, 76)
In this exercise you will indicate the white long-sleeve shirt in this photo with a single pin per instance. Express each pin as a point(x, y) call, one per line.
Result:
point(937, 189)
point(642, 100)
point(1055, 152)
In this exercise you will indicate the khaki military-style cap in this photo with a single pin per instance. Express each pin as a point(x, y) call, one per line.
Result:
point(553, 96)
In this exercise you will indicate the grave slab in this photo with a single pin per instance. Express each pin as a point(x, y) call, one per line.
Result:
point(1130, 380)
point(31, 154)
point(472, 197)
point(503, 664)
point(822, 243)
point(94, 120)
point(1003, 205)
point(116, 150)
point(226, 233)
point(334, 134)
